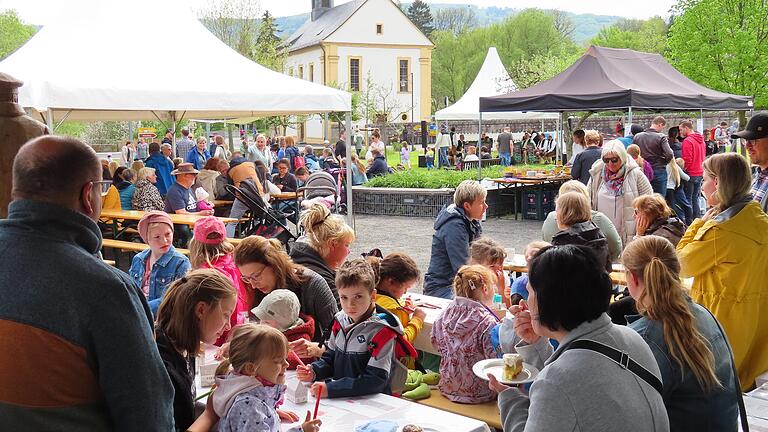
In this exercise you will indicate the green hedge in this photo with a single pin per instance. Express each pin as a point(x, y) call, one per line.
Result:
point(421, 178)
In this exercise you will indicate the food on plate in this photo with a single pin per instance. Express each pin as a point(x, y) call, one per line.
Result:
point(513, 365)
point(412, 428)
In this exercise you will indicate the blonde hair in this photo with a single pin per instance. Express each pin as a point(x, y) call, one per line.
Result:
point(592, 137)
point(137, 165)
point(269, 252)
point(145, 172)
point(675, 174)
point(202, 253)
point(113, 166)
point(615, 146)
point(176, 315)
point(321, 228)
point(536, 245)
point(734, 180)
point(357, 272)
point(573, 186)
point(654, 206)
point(486, 250)
point(290, 141)
point(470, 280)
point(467, 192)
point(654, 261)
point(572, 208)
point(634, 151)
point(255, 343)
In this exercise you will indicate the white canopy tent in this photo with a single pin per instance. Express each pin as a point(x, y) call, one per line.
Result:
point(491, 80)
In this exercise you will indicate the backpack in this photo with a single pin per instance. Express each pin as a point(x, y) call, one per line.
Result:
point(713, 133)
point(404, 350)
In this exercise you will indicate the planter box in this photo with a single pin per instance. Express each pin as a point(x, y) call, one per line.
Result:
point(418, 202)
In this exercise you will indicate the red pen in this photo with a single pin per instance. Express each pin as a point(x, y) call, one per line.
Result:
point(317, 404)
point(295, 357)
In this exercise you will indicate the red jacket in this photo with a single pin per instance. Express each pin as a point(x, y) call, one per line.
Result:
point(303, 331)
point(694, 153)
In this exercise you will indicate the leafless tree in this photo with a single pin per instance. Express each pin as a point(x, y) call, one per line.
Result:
point(563, 23)
point(234, 22)
point(456, 20)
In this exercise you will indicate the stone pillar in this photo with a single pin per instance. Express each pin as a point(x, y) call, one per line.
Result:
point(16, 128)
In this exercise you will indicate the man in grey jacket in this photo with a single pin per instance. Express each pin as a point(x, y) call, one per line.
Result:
point(505, 149)
point(756, 137)
point(654, 147)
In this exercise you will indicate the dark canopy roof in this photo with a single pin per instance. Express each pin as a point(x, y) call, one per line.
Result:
point(609, 78)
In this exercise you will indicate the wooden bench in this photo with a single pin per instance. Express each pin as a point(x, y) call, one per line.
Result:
point(131, 246)
point(469, 165)
point(486, 412)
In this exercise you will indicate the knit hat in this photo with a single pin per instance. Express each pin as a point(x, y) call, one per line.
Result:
point(210, 230)
point(281, 306)
point(149, 218)
point(201, 194)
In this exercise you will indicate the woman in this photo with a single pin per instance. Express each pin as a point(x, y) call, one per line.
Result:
point(675, 143)
point(726, 252)
point(654, 217)
point(615, 181)
point(325, 244)
point(577, 228)
point(207, 176)
point(549, 229)
point(123, 182)
point(265, 267)
point(146, 197)
point(577, 388)
point(700, 390)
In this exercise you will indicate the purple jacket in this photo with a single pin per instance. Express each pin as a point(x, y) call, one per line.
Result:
point(648, 170)
point(462, 334)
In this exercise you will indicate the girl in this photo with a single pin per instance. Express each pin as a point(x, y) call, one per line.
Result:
point(196, 308)
point(247, 398)
point(675, 197)
point(491, 255)
point(462, 335)
point(519, 289)
point(361, 347)
point(154, 269)
point(405, 155)
point(396, 273)
point(699, 386)
point(209, 248)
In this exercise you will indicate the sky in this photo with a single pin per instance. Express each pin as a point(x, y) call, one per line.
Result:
point(41, 11)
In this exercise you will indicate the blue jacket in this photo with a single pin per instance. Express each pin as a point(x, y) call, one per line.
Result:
point(171, 266)
point(290, 153)
point(688, 407)
point(311, 161)
point(454, 231)
point(378, 168)
point(163, 168)
point(126, 190)
point(193, 157)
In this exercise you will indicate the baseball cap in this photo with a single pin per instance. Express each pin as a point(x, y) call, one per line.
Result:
point(210, 230)
point(756, 128)
point(281, 306)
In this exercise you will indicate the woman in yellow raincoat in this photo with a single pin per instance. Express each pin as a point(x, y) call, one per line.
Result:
point(726, 252)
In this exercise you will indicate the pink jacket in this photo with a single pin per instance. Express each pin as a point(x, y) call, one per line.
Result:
point(226, 265)
point(462, 334)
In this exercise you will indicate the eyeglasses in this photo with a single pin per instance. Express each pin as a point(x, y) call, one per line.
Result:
point(104, 185)
point(253, 277)
point(611, 160)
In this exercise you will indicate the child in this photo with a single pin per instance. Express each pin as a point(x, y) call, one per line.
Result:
point(676, 198)
point(519, 289)
point(246, 399)
point(361, 348)
point(301, 176)
point(209, 248)
point(405, 154)
point(490, 254)
point(280, 309)
point(462, 335)
point(471, 154)
point(396, 273)
point(154, 269)
point(430, 157)
point(195, 309)
point(202, 199)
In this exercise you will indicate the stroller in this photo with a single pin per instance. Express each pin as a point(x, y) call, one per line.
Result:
point(322, 184)
point(263, 220)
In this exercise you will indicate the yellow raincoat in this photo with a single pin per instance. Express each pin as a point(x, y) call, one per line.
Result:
point(411, 326)
point(728, 258)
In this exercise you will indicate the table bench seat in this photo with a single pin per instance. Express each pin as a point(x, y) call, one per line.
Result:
point(486, 412)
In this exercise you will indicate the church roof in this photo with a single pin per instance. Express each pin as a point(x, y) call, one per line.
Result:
point(313, 32)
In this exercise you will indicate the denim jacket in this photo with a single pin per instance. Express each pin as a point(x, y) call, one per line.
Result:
point(171, 266)
point(688, 406)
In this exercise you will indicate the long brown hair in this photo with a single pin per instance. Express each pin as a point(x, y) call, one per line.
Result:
point(654, 261)
point(397, 267)
point(269, 252)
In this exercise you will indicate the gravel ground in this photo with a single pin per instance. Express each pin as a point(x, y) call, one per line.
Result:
point(414, 235)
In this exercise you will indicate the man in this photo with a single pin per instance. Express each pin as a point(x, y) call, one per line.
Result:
point(694, 152)
point(456, 226)
point(76, 341)
point(162, 165)
point(357, 138)
point(167, 151)
point(240, 170)
point(443, 142)
point(180, 199)
point(505, 150)
point(583, 161)
point(721, 137)
point(654, 147)
point(341, 147)
point(626, 140)
point(756, 137)
point(184, 145)
point(168, 138)
point(198, 155)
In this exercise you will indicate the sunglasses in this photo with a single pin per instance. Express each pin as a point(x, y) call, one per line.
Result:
point(611, 160)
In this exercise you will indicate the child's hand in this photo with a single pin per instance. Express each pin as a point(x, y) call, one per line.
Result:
point(305, 373)
point(310, 425)
point(419, 313)
point(288, 416)
point(319, 389)
point(222, 352)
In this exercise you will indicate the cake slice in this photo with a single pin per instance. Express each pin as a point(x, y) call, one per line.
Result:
point(513, 365)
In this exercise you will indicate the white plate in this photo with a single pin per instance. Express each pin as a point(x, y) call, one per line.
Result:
point(496, 366)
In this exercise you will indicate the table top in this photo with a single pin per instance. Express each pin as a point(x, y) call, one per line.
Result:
point(222, 203)
point(178, 219)
point(284, 195)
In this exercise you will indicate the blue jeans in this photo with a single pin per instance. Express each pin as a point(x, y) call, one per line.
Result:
point(442, 292)
point(442, 159)
point(506, 159)
point(693, 192)
point(679, 203)
point(659, 182)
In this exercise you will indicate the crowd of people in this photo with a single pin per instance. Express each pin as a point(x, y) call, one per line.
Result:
point(126, 344)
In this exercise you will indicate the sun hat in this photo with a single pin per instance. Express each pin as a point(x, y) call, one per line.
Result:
point(185, 168)
point(152, 217)
point(210, 230)
point(281, 306)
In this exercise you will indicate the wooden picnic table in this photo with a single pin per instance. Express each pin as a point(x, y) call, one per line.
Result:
point(178, 219)
point(222, 203)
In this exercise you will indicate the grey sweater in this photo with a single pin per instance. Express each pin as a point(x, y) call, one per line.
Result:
point(580, 390)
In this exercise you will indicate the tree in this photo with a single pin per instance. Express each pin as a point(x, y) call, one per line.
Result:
point(13, 33)
point(233, 22)
point(456, 20)
point(562, 23)
point(723, 44)
point(421, 16)
point(641, 35)
point(268, 51)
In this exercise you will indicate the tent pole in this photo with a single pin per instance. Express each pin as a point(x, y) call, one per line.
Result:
point(63, 119)
point(130, 131)
point(173, 129)
point(207, 131)
point(348, 173)
point(628, 126)
point(49, 120)
point(479, 133)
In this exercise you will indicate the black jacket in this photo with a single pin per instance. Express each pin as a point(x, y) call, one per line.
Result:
point(586, 234)
point(304, 254)
point(583, 162)
point(671, 229)
point(182, 373)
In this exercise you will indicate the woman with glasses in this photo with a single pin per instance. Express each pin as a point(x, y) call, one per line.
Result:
point(264, 267)
point(615, 181)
